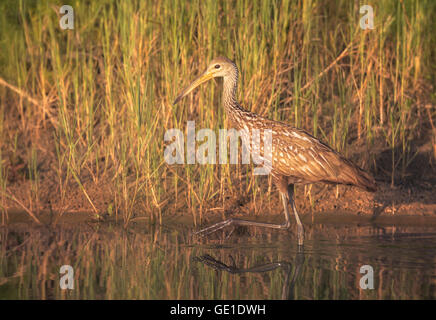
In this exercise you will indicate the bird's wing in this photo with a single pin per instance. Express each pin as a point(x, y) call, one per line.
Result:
point(297, 153)
point(300, 155)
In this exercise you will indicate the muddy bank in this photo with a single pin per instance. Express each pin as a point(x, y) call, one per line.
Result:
point(336, 203)
point(319, 200)
point(325, 205)
point(414, 195)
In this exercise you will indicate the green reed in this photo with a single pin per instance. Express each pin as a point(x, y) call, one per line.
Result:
point(105, 89)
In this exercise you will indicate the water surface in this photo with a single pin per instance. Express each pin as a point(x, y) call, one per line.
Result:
point(146, 262)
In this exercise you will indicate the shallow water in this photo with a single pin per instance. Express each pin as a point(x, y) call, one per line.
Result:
point(144, 262)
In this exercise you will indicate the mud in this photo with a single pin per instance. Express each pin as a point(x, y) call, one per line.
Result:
point(414, 194)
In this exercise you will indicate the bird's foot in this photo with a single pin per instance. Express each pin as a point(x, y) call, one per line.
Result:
point(214, 228)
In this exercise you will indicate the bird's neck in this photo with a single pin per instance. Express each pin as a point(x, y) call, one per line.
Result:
point(233, 110)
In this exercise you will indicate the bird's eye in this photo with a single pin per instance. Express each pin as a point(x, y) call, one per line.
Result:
point(217, 66)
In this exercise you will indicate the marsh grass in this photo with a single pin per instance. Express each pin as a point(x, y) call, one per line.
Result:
point(94, 103)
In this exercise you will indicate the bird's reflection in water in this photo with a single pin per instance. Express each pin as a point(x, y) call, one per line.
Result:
point(292, 272)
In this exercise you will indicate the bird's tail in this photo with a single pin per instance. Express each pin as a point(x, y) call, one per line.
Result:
point(353, 175)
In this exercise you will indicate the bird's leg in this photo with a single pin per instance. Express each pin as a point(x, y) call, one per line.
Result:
point(300, 229)
point(238, 222)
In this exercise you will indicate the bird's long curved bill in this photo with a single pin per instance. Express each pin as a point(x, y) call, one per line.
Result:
point(201, 79)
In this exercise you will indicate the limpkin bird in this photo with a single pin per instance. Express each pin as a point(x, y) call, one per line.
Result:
point(297, 156)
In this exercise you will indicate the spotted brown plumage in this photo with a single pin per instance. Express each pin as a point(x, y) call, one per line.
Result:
point(296, 156)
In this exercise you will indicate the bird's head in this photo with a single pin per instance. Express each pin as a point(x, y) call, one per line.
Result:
point(218, 67)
